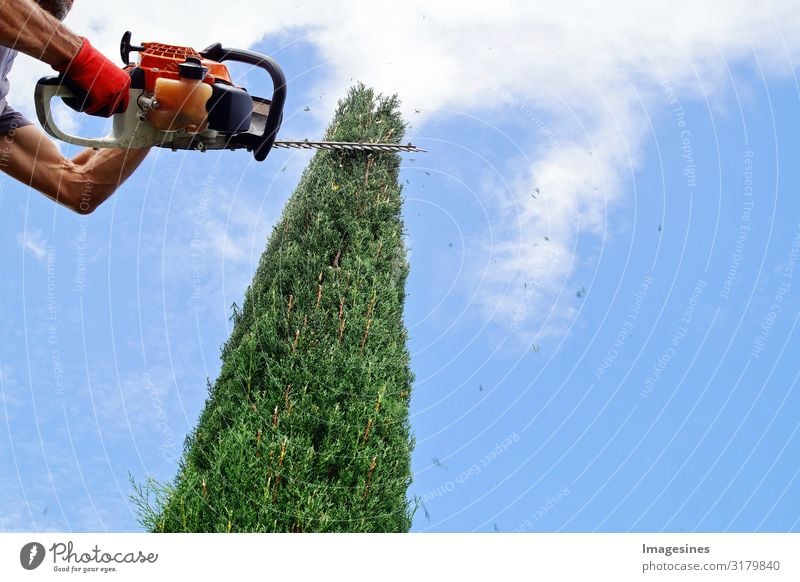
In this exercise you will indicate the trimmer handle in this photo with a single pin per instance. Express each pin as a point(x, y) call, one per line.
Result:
point(50, 87)
point(137, 135)
point(259, 144)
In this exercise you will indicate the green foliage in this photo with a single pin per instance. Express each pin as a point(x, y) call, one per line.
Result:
point(306, 429)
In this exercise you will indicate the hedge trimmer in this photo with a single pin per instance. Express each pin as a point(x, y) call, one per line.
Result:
point(185, 99)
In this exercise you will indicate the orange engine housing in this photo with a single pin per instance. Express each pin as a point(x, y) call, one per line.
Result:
point(191, 95)
point(159, 60)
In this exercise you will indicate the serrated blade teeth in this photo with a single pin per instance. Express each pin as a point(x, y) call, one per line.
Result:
point(347, 146)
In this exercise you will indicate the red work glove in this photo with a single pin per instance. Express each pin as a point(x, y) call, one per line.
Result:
point(106, 84)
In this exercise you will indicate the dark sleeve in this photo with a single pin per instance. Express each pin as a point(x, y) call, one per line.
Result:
point(11, 120)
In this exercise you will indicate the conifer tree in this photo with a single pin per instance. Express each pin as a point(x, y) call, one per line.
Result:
point(306, 428)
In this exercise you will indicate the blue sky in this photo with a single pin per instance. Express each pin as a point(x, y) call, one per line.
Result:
point(604, 242)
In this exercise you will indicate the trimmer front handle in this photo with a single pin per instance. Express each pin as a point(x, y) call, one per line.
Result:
point(260, 144)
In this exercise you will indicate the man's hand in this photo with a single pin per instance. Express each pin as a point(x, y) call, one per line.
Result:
point(106, 84)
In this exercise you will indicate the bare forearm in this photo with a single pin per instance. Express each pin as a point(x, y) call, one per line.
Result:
point(25, 27)
point(103, 171)
point(82, 183)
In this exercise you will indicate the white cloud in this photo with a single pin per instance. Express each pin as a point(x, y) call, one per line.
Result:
point(593, 68)
point(33, 243)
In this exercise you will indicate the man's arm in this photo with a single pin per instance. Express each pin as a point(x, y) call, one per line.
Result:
point(25, 27)
point(87, 180)
point(81, 184)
